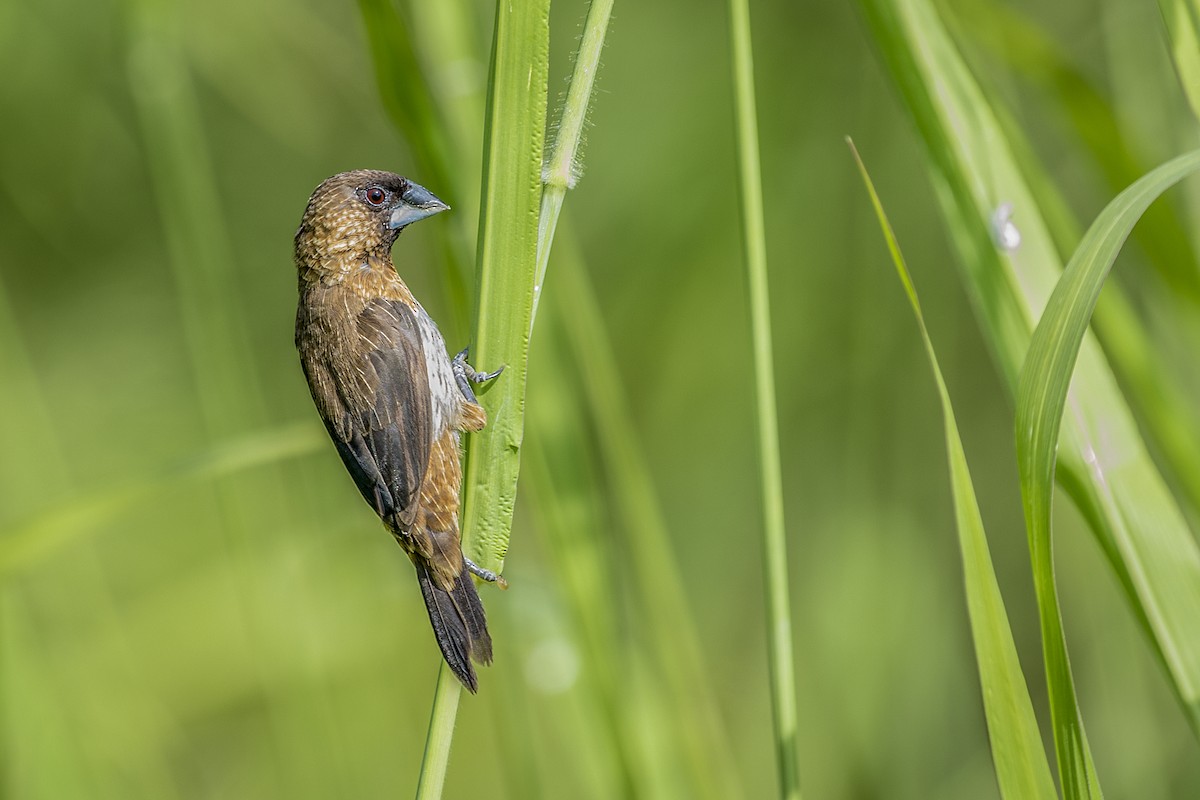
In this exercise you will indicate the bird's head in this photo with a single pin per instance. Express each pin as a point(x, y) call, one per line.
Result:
point(358, 214)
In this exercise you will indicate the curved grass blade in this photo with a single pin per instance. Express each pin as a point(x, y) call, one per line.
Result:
point(1044, 63)
point(1017, 753)
point(1154, 390)
point(1041, 398)
point(1103, 463)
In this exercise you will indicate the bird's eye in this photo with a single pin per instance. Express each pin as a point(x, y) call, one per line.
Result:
point(376, 196)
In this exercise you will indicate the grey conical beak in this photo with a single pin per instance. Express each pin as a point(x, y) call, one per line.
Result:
point(417, 203)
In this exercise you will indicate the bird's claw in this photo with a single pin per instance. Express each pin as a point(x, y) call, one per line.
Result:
point(465, 374)
point(485, 574)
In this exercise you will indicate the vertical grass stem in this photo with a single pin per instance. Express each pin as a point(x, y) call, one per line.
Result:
point(441, 732)
point(562, 168)
point(779, 621)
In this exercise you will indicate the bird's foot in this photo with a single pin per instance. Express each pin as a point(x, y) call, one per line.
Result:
point(485, 574)
point(465, 375)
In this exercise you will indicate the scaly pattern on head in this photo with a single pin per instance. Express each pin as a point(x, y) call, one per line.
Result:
point(347, 221)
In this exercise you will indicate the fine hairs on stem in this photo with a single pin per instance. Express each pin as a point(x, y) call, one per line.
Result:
point(562, 169)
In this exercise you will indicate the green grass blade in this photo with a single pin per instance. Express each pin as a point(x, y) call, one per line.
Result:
point(1153, 388)
point(515, 125)
point(404, 88)
point(1172, 607)
point(678, 671)
point(975, 169)
point(659, 586)
point(779, 617)
point(412, 108)
point(1045, 63)
point(1017, 753)
point(514, 130)
point(229, 387)
point(587, 563)
point(1182, 18)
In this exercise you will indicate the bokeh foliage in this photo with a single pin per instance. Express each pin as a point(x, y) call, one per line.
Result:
point(203, 607)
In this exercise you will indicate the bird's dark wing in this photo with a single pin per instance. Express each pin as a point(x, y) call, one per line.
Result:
point(374, 397)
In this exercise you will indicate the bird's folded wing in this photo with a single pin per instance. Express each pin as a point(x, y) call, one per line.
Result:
point(378, 408)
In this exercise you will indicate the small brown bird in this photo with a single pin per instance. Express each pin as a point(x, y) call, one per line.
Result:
point(391, 398)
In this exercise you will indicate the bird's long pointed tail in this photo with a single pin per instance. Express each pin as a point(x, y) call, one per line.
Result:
point(458, 622)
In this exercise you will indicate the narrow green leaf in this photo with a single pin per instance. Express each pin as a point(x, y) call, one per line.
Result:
point(1041, 397)
point(1182, 18)
point(515, 126)
point(411, 107)
point(643, 536)
point(1154, 390)
point(404, 89)
point(1103, 463)
point(1046, 64)
point(1020, 760)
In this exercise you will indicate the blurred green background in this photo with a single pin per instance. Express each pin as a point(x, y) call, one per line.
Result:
point(195, 602)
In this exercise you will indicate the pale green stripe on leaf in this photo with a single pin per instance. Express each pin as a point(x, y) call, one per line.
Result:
point(1022, 770)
